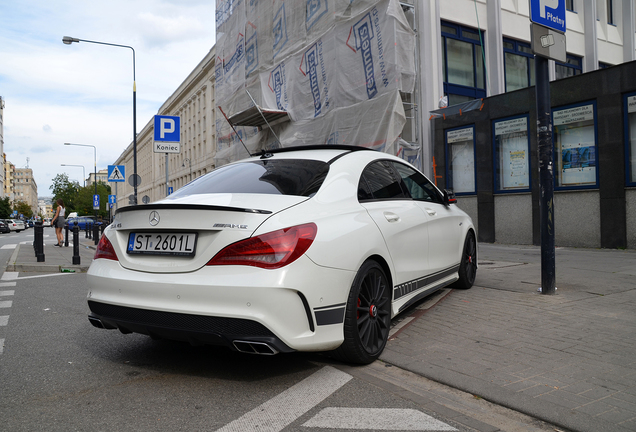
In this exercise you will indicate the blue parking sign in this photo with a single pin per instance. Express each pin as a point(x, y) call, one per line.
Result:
point(95, 202)
point(167, 128)
point(548, 13)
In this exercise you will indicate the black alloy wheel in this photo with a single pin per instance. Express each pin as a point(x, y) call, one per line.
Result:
point(367, 317)
point(468, 264)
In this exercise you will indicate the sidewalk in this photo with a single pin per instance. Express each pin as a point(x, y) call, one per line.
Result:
point(56, 259)
point(568, 359)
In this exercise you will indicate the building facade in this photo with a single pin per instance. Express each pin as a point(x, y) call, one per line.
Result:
point(2, 177)
point(102, 177)
point(193, 102)
point(466, 50)
point(25, 188)
point(8, 174)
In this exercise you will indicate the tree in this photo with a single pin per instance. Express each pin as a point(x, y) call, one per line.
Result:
point(65, 189)
point(5, 208)
point(23, 209)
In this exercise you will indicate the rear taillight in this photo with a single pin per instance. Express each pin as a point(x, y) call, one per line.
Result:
point(269, 251)
point(105, 250)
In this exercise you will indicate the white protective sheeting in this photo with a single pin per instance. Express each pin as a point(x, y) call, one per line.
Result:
point(336, 66)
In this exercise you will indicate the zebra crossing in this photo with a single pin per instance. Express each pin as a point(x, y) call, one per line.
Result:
point(6, 302)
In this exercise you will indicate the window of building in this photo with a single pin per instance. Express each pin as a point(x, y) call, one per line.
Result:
point(518, 65)
point(630, 137)
point(610, 11)
point(512, 154)
point(602, 65)
point(569, 5)
point(463, 65)
point(460, 160)
point(572, 66)
point(575, 146)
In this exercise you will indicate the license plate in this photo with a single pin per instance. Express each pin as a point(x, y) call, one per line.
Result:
point(162, 243)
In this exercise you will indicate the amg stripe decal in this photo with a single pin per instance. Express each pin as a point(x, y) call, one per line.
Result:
point(414, 285)
point(327, 315)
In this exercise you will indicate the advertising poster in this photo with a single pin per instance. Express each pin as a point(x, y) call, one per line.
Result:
point(512, 148)
point(576, 146)
point(462, 160)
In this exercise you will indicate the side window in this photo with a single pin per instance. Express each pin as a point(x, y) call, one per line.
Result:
point(378, 182)
point(418, 186)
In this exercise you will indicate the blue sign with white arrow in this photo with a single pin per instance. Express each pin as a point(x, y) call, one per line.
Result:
point(95, 202)
point(548, 13)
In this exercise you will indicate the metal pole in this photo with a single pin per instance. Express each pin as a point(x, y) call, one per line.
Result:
point(167, 187)
point(76, 255)
point(546, 176)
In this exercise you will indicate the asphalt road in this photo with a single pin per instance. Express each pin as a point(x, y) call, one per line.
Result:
point(58, 373)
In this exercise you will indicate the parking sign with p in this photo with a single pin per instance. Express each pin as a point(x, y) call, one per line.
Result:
point(167, 128)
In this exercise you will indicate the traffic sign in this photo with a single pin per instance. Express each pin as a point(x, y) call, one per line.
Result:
point(95, 202)
point(548, 13)
point(548, 43)
point(112, 199)
point(170, 190)
point(167, 128)
point(116, 173)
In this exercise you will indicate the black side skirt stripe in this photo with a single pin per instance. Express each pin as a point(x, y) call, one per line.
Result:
point(414, 285)
point(327, 315)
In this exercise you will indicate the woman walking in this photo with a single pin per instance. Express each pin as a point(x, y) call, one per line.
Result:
point(58, 221)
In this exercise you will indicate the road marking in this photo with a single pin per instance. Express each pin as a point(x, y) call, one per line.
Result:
point(6, 304)
point(1, 345)
point(4, 320)
point(376, 419)
point(7, 284)
point(7, 293)
point(9, 246)
point(280, 411)
point(14, 276)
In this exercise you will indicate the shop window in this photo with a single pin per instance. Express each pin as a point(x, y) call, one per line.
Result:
point(463, 63)
point(518, 65)
point(512, 155)
point(575, 146)
point(460, 160)
point(630, 137)
point(572, 66)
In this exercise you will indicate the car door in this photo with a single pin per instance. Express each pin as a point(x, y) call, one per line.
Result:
point(444, 222)
point(399, 219)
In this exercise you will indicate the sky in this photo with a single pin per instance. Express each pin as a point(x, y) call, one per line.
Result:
point(82, 93)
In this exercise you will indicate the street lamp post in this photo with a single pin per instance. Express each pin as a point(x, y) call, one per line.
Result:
point(83, 171)
point(189, 163)
point(68, 41)
point(95, 158)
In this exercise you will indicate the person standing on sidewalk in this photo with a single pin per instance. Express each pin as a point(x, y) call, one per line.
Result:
point(58, 221)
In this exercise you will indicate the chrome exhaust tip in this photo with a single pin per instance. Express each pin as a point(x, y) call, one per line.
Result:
point(96, 322)
point(260, 348)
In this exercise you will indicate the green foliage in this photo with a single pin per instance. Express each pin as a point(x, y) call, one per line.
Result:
point(23, 209)
point(65, 189)
point(5, 208)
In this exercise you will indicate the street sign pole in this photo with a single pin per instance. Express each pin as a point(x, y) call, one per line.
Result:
point(546, 175)
point(548, 41)
point(167, 184)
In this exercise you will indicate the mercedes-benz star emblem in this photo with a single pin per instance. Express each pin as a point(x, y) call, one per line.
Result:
point(154, 218)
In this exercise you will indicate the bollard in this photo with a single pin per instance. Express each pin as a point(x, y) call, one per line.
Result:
point(86, 230)
point(90, 229)
point(102, 227)
point(38, 239)
point(96, 233)
point(76, 255)
point(66, 235)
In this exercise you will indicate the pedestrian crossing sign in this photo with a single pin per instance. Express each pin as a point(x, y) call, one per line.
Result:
point(116, 173)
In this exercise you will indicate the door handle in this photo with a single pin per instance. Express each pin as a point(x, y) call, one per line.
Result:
point(431, 212)
point(391, 217)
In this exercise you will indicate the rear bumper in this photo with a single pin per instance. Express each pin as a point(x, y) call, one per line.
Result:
point(297, 308)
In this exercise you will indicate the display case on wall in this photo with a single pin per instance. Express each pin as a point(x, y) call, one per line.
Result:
point(575, 146)
point(460, 159)
point(512, 154)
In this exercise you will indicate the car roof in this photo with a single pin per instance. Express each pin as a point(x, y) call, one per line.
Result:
point(322, 152)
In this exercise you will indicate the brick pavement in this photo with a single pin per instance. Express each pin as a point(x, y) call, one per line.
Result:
point(568, 359)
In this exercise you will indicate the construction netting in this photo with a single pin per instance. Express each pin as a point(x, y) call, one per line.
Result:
point(335, 67)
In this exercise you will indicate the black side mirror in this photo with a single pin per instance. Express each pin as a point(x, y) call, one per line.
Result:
point(449, 197)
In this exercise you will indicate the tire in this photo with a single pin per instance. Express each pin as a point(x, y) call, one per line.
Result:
point(468, 263)
point(367, 316)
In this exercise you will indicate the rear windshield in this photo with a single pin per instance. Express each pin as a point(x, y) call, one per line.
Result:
point(275, 177)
